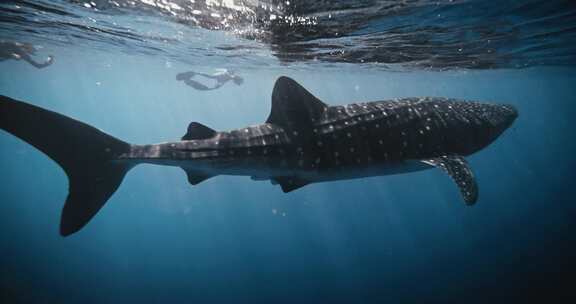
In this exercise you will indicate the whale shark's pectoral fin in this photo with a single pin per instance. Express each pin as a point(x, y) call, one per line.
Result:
point(288, 183)
point(197, 130)
point(458, 169)
point(294, 108)
point(196, 177)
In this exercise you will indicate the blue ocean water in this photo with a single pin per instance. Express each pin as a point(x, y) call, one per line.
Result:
point(395, 239)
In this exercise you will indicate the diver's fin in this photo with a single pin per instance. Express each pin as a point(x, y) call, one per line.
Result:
point(288, 183)
point(197, 130)
point(196, 177)
point(84, 152)
point(293, 107)
point(460, 172)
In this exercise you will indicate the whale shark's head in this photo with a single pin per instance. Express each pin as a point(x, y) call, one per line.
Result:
point(474, 125)
point(494, 120)
point(500, 116)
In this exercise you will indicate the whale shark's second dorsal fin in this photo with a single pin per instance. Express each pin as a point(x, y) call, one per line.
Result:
point(197, 130)
point(293, 107)
point(458, 169)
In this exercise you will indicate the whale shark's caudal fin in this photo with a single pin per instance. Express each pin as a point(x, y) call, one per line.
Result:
point(85, 153)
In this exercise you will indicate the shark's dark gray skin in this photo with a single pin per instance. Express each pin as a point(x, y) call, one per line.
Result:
point(303, 141)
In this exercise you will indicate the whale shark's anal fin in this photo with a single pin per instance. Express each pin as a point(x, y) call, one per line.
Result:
point(294, 108)
point(460, 172)
point(288, 183)
point(197, 130)
point(196, 177)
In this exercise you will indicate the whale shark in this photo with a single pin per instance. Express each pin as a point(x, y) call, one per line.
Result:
point(303, 141)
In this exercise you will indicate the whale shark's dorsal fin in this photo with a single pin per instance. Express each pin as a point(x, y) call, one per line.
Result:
point(293, 107)
point(458, 169)
point(197, 130)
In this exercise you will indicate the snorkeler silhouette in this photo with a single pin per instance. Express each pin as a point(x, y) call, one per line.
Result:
point(221, 77)
point(22, 51)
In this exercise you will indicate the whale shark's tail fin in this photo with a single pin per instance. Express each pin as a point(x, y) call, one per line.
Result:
point(85, 153)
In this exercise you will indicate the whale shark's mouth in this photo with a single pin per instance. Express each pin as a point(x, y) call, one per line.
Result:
point(503, 116)
point(512, 111)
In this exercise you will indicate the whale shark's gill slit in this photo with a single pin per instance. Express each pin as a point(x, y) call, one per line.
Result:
point(195, 150)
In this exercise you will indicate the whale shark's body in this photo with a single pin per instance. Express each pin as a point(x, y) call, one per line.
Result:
point(303, 141)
